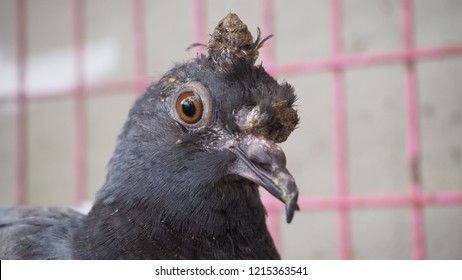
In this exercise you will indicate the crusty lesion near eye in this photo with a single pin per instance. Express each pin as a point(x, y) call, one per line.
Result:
point(276, 124)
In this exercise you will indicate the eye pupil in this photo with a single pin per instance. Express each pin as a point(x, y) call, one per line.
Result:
point(188, 107)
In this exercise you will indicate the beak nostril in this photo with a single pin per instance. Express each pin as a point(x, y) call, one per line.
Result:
point(264, 166)
point(266, 155)
point(257, 155)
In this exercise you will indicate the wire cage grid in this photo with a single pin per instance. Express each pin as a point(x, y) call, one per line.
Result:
point(342, 202)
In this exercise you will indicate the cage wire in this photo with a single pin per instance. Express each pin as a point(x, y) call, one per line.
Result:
point(342, 202)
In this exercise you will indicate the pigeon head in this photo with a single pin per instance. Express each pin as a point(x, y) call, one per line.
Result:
point(206, 133)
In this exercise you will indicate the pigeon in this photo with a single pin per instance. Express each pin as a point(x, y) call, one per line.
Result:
point(184, 179)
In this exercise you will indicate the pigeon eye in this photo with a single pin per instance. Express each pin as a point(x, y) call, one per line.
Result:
point(189, 107)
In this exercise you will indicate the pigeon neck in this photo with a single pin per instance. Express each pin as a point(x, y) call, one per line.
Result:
point(142, 230)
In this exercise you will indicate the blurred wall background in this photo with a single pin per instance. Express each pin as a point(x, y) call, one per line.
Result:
point(374, 97)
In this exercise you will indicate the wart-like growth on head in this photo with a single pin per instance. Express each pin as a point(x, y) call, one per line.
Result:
point(232, 41)
point(277, 128)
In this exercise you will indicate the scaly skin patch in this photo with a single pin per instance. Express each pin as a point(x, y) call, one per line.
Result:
point(285, 120)
point(232, 39)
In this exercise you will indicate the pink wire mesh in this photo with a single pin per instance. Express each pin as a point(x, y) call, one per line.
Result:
point(341, 201)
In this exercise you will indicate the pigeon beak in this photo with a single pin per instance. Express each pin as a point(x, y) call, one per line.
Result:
point(264, 163)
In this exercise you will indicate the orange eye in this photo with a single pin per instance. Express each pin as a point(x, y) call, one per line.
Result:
point(189, 107)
